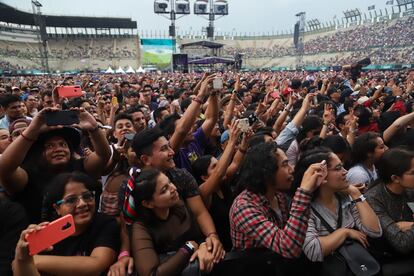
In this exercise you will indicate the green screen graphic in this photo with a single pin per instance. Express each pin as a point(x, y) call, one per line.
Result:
point(157, 51)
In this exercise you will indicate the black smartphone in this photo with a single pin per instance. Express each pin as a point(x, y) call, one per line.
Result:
point(62, 117)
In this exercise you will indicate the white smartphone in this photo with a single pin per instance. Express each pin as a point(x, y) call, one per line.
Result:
point(244, 124)
point(218, 83)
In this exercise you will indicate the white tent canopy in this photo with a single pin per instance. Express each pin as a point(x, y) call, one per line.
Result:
point(130, 70)
point(109, 70)
point(140, 70)
point(120, 70)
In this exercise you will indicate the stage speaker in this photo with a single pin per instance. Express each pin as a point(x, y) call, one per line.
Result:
point(180, 63)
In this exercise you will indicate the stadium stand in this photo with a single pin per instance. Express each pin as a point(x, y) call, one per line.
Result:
point(74, 43)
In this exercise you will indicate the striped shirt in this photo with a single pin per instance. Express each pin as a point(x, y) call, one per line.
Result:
point(254, 224)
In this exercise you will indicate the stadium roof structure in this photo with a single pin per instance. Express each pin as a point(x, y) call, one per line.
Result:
point(211, 60)
point(12, 15)
point(203, 43)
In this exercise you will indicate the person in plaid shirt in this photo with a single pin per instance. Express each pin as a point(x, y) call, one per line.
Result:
point(259, 216)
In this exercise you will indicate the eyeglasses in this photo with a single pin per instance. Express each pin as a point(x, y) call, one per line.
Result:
point(72, 201)
point(338, 168)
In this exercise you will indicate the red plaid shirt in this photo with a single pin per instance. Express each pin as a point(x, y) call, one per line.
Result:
point(254, 224)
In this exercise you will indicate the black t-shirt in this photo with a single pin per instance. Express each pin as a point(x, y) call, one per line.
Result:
point(219, 211)
point(13, 221)
point(31, 197)
point(186, 184)
point(103, 232)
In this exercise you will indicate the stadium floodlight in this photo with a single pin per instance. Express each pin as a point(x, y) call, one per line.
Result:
point(200, 7)
point(161, 6)
point(403, 2)
point(36, 3)
point(314, 24)
point(221, 7)
point(352, 15)
point(182, 7)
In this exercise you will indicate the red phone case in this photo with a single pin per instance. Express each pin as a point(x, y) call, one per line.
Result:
point(53, 233)
point(69, 91)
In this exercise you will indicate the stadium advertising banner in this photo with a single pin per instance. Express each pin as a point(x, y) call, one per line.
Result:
point(157, 51)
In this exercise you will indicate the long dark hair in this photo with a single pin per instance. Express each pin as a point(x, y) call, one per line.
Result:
point(145, 185)
point(200, 167)
point(363, 145)
point(259, 167)
point(394, 161)
point(308, 158)
point(56, 190)
point(311, 123)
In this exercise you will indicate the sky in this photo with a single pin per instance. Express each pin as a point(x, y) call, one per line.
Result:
point(246, 16)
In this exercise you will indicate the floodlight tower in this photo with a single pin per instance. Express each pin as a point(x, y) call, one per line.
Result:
point(352, 15)
point(211, 8)
point(41, 35)
point(405, 5)
point(299, 38)
point(172, 8)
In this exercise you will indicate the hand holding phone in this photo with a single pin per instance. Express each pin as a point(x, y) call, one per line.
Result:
point(218, 83)
point(51, 234)
point(61, 117)
point(69, 91)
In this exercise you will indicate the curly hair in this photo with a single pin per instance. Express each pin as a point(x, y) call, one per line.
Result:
point(259, 167)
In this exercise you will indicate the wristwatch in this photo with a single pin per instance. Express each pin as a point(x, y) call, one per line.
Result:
point(361, 198)
point(190, 246)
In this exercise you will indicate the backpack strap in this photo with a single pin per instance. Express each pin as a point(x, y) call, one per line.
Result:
point(325, 223)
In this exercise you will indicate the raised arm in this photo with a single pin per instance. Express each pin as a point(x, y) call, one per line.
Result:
point(212, 114)
point(187, 121)
point(95, 163)
point(397, 125)
point(12, 176)
point(213, 183)
point(300, 116)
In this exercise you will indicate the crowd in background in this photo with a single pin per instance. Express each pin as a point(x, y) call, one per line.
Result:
point(385, 42)
point(164, 173)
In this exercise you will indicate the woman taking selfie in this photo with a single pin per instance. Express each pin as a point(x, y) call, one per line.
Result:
point(41, 152)
point(340, 205)
point(89, 251)
point(164, 236)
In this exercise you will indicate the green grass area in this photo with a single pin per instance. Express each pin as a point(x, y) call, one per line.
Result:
point(150, 58)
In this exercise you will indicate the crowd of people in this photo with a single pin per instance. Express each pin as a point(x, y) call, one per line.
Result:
point(73, 49)
point(170, 174)
point(383, 41)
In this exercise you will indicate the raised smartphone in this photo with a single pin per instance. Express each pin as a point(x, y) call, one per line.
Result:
point(53, 233)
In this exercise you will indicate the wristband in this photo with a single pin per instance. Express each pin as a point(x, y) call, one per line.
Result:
point(94, 129)
point(27, 138)
point(124, 253)
point(361, 198)
point(198, 100)
point(188, 247)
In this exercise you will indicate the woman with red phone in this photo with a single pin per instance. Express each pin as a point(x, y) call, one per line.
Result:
point(93, 246)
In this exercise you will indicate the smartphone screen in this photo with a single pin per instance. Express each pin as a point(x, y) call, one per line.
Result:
point(218, 83)
point(62, 117)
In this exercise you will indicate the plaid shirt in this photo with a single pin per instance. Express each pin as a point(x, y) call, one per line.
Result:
point(254, 224)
